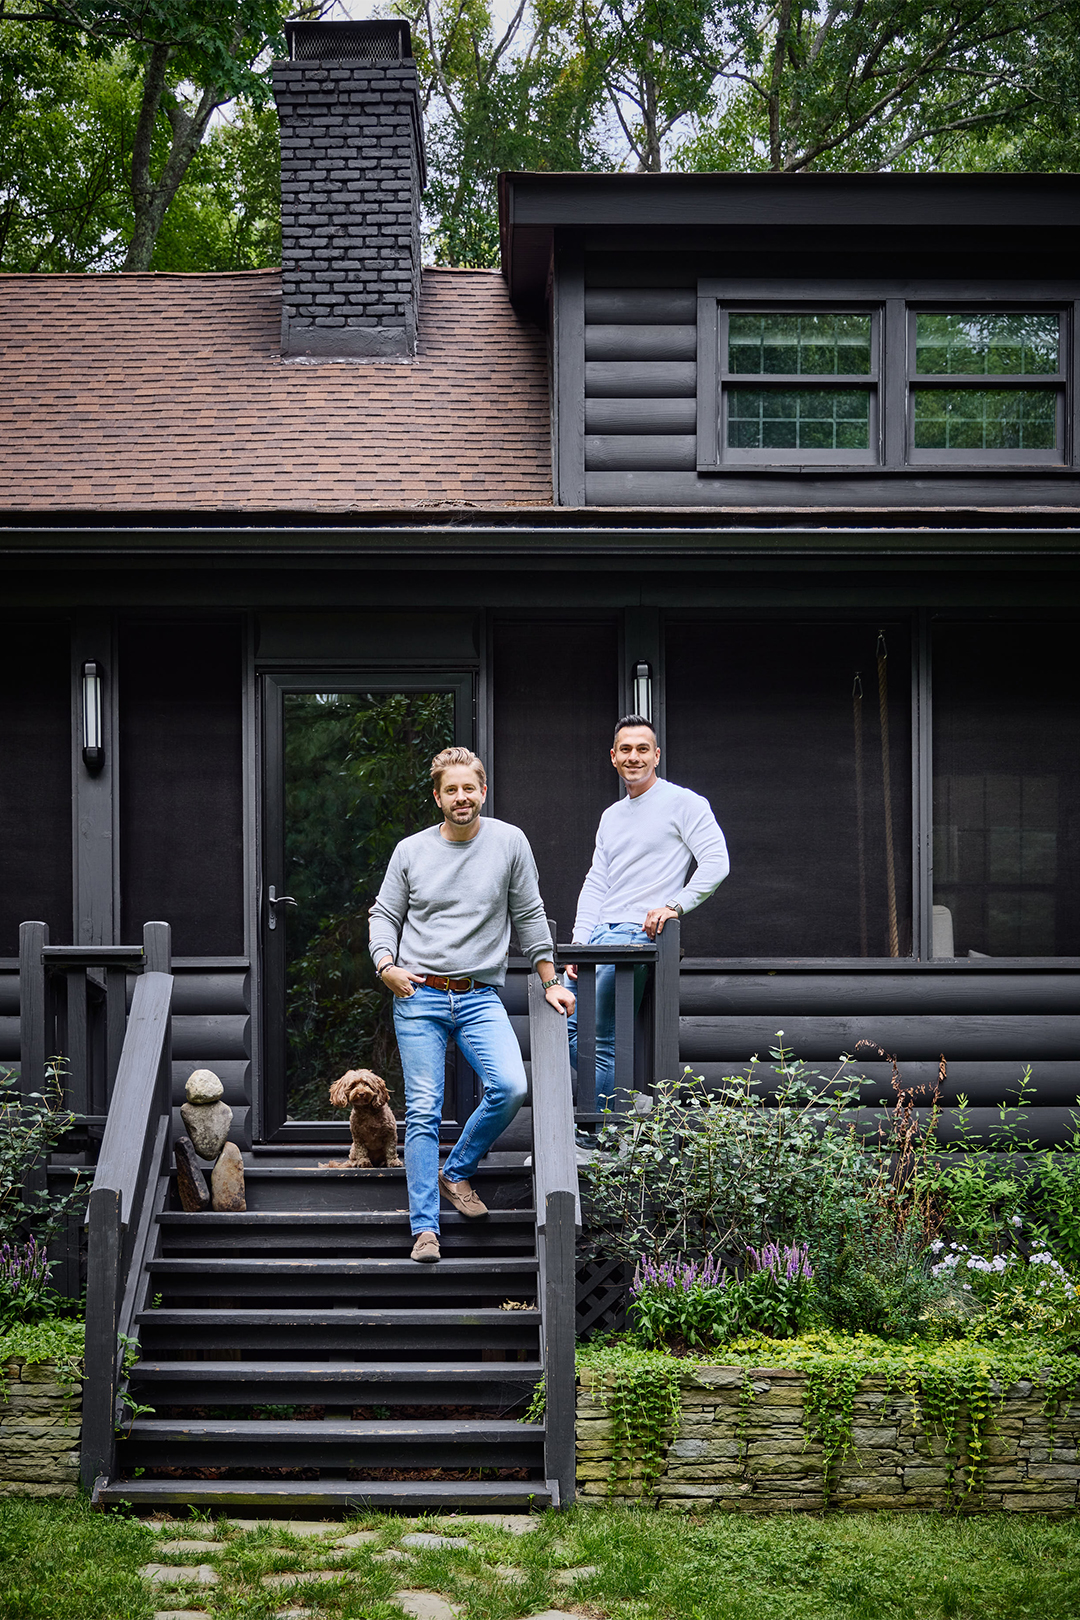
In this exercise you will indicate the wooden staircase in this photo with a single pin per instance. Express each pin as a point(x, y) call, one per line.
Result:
point(296, 1353)
point(293, 1355)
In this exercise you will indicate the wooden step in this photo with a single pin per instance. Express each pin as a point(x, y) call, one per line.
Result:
point(331, 1443)
point(471, 1280)
point(294, 1187)
point(361, 1332)
point(340, 1495)
point(334, 1383)
point(344, 1234)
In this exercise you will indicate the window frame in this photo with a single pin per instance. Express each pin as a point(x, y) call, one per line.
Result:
point(975, 382)
point(895, 307)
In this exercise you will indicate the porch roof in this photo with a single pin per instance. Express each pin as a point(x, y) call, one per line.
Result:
point(152, 392)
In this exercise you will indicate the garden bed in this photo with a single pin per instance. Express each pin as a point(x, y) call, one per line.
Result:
point(741, 1444)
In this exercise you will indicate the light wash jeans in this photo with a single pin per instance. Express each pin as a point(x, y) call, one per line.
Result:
point(609, 934)
point(423, 1023)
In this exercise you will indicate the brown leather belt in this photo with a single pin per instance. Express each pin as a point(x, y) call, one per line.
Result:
point(459, 986)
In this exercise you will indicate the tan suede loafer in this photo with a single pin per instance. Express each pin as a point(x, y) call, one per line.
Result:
point(462, 1197)
point(426, 1248)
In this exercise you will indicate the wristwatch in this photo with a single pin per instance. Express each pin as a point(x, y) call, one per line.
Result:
point(677, 909)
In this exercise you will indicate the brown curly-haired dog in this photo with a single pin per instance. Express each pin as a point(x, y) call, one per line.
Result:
point(372, 1122)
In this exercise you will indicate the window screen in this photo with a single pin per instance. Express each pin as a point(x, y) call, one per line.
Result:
point(556, 691)
point(181, 784)
point(766, 720)
point(35, 782)
point(1006, 790)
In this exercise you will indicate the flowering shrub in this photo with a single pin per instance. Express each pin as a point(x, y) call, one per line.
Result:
point(1011, 1292)
point(698, 1303)
point(25, 1295)
point(680, 1299)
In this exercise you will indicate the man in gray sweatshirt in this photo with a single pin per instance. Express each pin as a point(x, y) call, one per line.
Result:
point(440, 935)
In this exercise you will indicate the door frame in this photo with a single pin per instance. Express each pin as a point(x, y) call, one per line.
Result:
point(273, 686)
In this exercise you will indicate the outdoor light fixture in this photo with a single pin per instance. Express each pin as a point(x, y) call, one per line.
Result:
point(93, 737)
point(643, 691)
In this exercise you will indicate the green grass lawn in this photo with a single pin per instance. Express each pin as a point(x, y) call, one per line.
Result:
point(62, 1562)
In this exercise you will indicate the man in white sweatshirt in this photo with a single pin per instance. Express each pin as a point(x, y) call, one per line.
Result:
point(637, 880)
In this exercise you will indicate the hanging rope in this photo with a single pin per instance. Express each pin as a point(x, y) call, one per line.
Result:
point(886, 785)
point(860, 811)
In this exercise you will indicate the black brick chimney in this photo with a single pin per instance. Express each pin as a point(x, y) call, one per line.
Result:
point(352, 170)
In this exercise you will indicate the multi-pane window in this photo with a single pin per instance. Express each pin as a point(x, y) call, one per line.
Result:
point(799, 386)
point(894, 384)
point(985, 383)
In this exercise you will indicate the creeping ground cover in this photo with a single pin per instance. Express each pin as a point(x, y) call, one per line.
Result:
point(796, 1227)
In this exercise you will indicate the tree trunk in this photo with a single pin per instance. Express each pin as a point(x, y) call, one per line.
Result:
point(152, 197)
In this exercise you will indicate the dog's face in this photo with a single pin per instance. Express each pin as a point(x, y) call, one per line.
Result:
point(359, 1088)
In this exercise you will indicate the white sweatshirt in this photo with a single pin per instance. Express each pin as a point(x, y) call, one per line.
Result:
point(643, 851)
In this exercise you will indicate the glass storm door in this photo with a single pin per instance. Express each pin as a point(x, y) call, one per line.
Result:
point(347, 763)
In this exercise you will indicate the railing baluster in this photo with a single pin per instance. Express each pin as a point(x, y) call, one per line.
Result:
point(624, 1036)
point(115, 1027)
point(586, 1038)
point(665, 1053)
point(77, 1042)
point(33, 937)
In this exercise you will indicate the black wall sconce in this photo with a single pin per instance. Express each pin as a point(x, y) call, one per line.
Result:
point(93, 736)
point(643, 691)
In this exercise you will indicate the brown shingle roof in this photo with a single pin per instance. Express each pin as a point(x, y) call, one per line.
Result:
point(148, 392)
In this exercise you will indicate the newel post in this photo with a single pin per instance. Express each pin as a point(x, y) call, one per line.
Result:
point(666, 1004)
point(102, 1315)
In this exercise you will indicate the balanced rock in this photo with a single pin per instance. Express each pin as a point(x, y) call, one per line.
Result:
point(190, 1181)
point(227, 1179)
point(208, 1126)
point(203, 1086)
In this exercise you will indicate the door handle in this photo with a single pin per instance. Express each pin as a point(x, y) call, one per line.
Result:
point(274, 900)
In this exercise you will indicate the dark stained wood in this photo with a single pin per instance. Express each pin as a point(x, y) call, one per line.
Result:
point(919, 989)
point(640, 416)
point(102, 1307)
point(666, 1004)
point(634, 452)
point(560, 1327)
point(272, 1494)
point(33, 937)
point(1024, 1039)
point(640, 379)
point(639, 306)
point(568, 358)
point(636, 342)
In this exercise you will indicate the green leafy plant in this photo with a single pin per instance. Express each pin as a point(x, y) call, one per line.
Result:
point(31, 1126)
point(641, 1391)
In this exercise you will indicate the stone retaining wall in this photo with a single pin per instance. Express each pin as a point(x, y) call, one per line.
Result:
point(40, 1428)
point(753, 1457)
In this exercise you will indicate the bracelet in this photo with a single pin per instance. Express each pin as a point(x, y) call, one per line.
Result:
point(385, 968)
point(549, 984)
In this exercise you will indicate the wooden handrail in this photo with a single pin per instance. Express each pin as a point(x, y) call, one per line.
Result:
point(558, 1221)
point(132, 1159)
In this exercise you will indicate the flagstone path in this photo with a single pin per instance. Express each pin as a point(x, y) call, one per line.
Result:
point(240, 1558)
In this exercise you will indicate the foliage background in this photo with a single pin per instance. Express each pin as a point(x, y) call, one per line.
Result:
point(143, 136)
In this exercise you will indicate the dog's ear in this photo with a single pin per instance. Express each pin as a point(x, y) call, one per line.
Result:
point(382, 1095)
point(341, 1090)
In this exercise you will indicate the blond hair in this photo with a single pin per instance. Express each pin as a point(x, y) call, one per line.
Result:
point(457, 756)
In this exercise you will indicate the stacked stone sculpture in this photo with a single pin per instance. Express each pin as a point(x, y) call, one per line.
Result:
point(208, 1119)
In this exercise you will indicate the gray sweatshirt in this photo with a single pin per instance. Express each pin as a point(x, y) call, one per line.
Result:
point(446, 907)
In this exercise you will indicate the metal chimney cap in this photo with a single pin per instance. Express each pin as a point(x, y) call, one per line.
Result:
point(374, 41)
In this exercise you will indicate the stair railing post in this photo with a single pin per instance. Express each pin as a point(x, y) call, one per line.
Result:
point(33, 937)
point(157, 953)
point(100, 1362)
point(666, 1004)
point(560, 1321)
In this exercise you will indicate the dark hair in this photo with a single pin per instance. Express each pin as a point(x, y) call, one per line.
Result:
point(632, 720)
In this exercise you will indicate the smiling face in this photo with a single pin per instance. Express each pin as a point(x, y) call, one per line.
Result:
point(460, 794)
point(635, 756)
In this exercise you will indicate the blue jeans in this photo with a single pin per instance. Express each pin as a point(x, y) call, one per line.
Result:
point(609, 934)
point(423, 1023)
